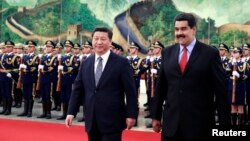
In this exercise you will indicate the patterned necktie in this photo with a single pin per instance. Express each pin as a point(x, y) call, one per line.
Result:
point(98, 71)
point(183, 61)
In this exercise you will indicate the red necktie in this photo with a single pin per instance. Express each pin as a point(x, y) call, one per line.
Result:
point(183, 61)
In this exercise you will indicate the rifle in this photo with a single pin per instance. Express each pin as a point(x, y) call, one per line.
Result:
point(58, 85)
point(152, 80)
point(20, 78)
point(40, 73)
point(234, 82)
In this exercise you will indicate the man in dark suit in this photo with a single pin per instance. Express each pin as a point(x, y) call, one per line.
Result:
point(191, 77)
point(104, 82)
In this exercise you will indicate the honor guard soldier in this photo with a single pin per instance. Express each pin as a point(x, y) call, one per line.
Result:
point(46, 72)
point(147, 73)
point(18, 96)
point(237, 69)
point(246, 54)
point(224, 54)
point(137, 64)
point(40, 51)
point(69, 64)
point(28, 70)
point(2, 51)
point(87, 50)
point(9, 66)
point(56, 94)
point(155, 63)
point(77, 59)
point(117, 49)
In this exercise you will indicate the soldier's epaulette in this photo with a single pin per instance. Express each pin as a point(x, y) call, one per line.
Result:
point(33, 60)
point(70, 61)
point(139, 63)
point(51, 61)
point(2, 61)
point(13, 60)
point(242, 67)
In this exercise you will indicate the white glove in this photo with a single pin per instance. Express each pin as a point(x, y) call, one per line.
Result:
point(40, 55)
point(59, 56)
point(152, 59)
point(234, 61)
point(9, 75)
point(154, 71)
point(128, 57)
point(21, 55)
point(22, 66)
point(235, 73)
point(60, 67)
point(81, 56)
point(148, 57)
point(40, 67)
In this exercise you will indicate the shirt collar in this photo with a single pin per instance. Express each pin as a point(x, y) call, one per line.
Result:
point(190, 47)
point(104, 56)
point(30, 54)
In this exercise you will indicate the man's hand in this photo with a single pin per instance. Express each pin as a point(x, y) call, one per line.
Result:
point(130, 123)
point(69, 120)
point(156, 125)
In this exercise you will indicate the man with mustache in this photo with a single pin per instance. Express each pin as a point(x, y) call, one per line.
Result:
point(191, 76)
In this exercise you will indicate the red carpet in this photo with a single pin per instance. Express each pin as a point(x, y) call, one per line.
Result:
point(20, 130)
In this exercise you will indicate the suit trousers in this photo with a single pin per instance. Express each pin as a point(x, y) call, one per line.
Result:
point(96, 135)
point(178, 136)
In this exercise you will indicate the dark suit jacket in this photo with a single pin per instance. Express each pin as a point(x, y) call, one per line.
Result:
point(189, 97)
point(106, 102)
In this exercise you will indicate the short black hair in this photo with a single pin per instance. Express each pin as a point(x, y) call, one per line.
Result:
point(190, 18)
point(103, 29)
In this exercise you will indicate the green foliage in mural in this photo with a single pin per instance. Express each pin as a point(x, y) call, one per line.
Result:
point(53, 20)
point(233, 37)
point(160, 25)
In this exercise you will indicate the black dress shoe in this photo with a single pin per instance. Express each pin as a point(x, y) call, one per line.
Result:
point(81, 119)
point(149, 126)
point(61, 118)
point(148, 116)
point(7, 112)
point(18, 105)
point(15, 104)
point(22, 114)
point(29, 115)
point(48, 116)
point(42, 116)
point(58, 108)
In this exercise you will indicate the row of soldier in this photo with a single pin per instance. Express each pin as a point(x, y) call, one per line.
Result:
point(49, 74)
point(236, 65)
point(30, 73)
point(53, 74)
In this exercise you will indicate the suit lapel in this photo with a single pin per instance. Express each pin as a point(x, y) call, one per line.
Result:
point(194, 54)
point(92, 69)
point(176, 57)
